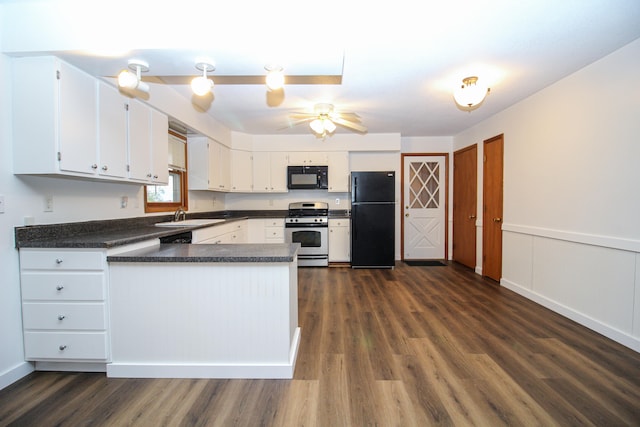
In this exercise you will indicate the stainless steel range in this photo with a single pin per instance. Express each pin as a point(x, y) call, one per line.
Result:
point(308, 224)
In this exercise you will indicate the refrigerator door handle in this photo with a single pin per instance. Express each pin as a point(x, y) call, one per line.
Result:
point(354, 193)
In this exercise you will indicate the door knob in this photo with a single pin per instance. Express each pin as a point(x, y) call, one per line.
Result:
point(497, 219)
point(407, 214)
point(472, 217)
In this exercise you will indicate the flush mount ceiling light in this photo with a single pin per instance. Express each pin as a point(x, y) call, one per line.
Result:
point(471, 93)
point(202, 85)
point(131, 81)
point(275, 77)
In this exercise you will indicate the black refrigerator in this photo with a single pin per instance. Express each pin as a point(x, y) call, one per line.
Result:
point(373, 225)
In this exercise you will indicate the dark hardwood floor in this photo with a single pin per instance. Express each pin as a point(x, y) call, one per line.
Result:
point(413, 346)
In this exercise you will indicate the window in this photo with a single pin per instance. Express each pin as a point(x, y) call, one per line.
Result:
point(168, 198)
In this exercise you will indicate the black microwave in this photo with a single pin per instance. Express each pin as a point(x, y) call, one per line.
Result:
point(307, 177)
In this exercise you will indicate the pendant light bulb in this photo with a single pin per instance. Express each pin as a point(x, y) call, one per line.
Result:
point(202, 85)
point(275, 77)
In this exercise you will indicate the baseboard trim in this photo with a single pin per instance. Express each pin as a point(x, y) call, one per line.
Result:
point(16, 373)
point(209, 370)
point(612, 333)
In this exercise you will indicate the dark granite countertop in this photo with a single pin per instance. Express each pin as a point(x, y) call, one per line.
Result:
point(118, 232)
point(279, 252)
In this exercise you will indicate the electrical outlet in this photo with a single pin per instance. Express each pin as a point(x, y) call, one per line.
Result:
point(124, 201)
point(337, 201)
point(48, 203)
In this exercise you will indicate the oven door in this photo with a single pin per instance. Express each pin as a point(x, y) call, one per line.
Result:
point(313, 240)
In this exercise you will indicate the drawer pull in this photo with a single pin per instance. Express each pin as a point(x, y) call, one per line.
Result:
point(58, 260)
point(59, 288)
point(61, 316)
point(62, 347)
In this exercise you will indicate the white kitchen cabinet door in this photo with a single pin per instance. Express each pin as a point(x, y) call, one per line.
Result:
point(338, 172)
point(278, 171)
point(112, 131)
point(159, 148)
point(241, 171)
point(139, 137)
point(307, 158)
point(261, 172)
point(54, 118)
point(339, 240)
point(220, 166)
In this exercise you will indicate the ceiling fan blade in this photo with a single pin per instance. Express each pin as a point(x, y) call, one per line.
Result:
point(296, 123)
point(302, 115)
point(345, 123)
point(352, 117)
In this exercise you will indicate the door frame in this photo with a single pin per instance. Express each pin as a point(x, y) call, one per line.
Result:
point(446, 199)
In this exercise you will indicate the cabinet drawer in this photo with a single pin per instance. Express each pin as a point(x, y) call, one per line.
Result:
point(63, 286)
point(274, 222)
point(339, 223)
point(274, 233)
point(61, 260)
point(57, 316)
point(65, 345)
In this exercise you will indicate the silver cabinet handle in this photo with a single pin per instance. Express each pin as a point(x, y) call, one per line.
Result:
point(61, 316)
point(62, 347)
point(59, 288)
point(155, 176)
point(94, 166)
point(148, 175)
point(104, 168)
point(58, 260)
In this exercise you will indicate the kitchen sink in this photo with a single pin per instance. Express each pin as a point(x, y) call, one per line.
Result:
point(189, 222)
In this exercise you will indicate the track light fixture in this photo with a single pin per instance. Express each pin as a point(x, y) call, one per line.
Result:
point(471, 93)
point(202, 85)
point(131, 81)
point(275, 77)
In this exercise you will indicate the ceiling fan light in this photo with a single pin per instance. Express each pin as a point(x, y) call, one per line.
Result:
point(329, 126)
point(470, 93)
point(317, 126)
point(275, 78)
point(201, 85)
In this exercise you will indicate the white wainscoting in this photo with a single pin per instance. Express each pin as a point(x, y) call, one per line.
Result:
point(593, 280)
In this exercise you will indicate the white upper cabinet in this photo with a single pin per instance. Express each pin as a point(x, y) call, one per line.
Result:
point(112, 131)
point(148, 144)
point(54, 115)
point(79, 127)
point(306, 158)
point(209, 164)
point(270, 172)
point(338, 172)
point(241, 171)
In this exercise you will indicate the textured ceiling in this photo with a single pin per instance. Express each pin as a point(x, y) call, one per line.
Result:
point(394, 63)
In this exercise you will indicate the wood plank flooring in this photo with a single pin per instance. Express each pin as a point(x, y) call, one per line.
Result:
point(413, 346)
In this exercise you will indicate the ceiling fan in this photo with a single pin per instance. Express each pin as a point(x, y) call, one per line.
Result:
point(324, 118)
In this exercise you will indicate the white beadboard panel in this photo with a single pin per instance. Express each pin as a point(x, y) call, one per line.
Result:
point(591, 280)
point(198, 313)
point(517, 258)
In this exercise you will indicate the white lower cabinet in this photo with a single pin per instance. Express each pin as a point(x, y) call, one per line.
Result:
point(65, 305)
point(339, 240)
point(266, 230)
point(232, 232)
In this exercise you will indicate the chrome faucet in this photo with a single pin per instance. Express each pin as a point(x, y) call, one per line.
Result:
point(179, 212)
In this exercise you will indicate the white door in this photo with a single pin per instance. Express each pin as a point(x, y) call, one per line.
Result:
point(424, 203)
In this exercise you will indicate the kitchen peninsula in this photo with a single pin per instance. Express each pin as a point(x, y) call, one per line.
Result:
point(204, 311)
point(158, 310)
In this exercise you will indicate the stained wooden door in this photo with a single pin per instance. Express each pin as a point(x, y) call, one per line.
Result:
point(465, 195)
point(492, 209)
point(424, 225)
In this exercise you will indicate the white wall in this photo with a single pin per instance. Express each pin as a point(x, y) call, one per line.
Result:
point(12, 364)
point(571, 232)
